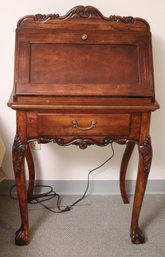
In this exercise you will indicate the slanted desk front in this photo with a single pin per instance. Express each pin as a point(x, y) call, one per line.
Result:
point(83, 79)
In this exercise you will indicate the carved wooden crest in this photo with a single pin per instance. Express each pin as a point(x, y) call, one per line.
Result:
point(82, 12)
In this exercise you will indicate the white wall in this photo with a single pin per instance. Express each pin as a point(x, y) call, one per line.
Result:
point(70, 163)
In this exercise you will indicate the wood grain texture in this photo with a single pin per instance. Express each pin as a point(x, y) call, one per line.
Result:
point(83, 79)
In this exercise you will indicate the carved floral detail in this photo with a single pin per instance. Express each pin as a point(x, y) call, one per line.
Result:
point(83, 143)
point(146, 150)
point(127, 19)
point(19, 149)
point(82, 12)
point(44, 18)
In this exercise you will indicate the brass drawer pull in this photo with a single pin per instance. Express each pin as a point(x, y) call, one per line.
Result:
point(75, 125)
point(84, 36)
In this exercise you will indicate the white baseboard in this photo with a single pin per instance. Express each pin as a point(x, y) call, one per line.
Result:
point(99, 187)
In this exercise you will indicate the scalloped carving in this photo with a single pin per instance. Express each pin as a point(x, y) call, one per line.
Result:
point(127, 19)
point(82, 12)
point(83, 143)
point(43, 17)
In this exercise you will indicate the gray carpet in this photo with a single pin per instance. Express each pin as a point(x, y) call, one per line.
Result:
point(96, 227)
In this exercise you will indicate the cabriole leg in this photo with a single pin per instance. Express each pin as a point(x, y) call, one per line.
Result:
point(145, 158)
point(19, 151)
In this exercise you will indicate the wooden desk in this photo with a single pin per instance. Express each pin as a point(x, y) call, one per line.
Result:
point(83, 79)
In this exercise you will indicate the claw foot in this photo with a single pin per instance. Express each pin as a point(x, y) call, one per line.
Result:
point(21, 237)
point(137, 236)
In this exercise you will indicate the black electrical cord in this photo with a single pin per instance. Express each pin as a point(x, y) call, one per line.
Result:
point(40, 198)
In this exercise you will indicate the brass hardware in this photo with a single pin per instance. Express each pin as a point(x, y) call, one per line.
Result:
point(84, 36)
point(75, 125)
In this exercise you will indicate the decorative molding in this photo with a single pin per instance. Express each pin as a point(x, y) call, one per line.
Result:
point(19, 150)
point(43, 17)
point(82, 12)
point(146, 151)
point(83, 143)
point(127, 19)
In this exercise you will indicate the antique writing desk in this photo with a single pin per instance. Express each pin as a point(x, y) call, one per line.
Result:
point(83, 79)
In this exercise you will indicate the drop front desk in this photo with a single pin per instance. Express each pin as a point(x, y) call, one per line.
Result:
point(83, 79)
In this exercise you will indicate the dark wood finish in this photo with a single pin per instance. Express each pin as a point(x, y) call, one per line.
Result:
point(83, 79)
point(31, 168)
point(123, 169)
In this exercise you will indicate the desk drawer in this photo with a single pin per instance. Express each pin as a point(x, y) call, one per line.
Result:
point(50, 124)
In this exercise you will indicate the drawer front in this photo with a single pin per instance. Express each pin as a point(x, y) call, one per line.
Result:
point(50, 124)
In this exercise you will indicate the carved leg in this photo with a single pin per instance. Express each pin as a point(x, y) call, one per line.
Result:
point(123, 169)
point(19, 150)
point(30, 163)
point(145, 158)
